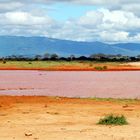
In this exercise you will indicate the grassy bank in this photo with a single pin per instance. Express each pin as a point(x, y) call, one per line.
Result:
point(64, 65)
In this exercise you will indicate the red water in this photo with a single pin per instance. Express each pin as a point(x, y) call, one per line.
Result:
point(71, 84)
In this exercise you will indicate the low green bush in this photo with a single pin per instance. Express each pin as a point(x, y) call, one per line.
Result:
point(113, 120)
point(4, 61)
point(100, 68)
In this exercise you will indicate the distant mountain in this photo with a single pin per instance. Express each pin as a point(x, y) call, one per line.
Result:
point(30, 46)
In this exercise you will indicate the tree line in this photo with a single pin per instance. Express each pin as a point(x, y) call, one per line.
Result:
point(55, 57)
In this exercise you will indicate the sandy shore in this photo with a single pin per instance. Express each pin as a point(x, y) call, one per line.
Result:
point(50, 118)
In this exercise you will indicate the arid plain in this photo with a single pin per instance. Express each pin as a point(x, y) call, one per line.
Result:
point(47, 118)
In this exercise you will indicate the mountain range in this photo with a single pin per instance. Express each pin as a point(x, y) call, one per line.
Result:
point(31, 46)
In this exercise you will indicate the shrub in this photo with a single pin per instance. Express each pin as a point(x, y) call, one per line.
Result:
point(4, 61)
point(29, 62)
point(100, 68)
point(105, 67)
point(113, 120)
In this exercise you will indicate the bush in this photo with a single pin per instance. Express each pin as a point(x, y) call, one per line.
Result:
point(113, 120)
point(4, 61)
point(105, 67)
point(100, 68)
point(29, 62)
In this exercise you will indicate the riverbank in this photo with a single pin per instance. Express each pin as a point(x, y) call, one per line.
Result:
point(69, 66)
point(38, 118)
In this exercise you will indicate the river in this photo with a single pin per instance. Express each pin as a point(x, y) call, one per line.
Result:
point(71, 84)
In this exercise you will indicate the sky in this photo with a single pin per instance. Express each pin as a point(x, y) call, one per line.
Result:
point(79, 20)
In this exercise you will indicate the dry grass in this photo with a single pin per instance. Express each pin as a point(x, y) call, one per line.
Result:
point(64, 65)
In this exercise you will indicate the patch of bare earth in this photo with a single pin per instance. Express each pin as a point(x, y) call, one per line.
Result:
point(54, 118)
point(133, 64)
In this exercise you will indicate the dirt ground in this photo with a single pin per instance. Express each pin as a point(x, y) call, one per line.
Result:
point(69, 66)
point(54, 118)
point(136, 64)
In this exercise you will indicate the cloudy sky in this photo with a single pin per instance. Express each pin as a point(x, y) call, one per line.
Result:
point(80, 20)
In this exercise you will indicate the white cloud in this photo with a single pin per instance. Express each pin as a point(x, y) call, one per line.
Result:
point(128, 5)
point(119, 36)
point(92, 18)
point(24, 18)
point(102, 25)
point(24, 23)
point(120, 19)
point(116, 21)
point(10, 6)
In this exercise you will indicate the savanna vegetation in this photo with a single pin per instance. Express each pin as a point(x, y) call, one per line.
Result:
point(55, 57)
point(98, 62)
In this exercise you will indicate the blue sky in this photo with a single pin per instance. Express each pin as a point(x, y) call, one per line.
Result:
point(63, 11)
point(79, 20)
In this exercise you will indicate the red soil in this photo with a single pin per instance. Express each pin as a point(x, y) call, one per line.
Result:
point(62, 118)
point(75, 68)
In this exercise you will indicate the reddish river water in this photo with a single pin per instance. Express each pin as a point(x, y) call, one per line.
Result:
point(71, 84)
